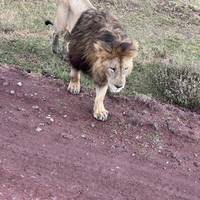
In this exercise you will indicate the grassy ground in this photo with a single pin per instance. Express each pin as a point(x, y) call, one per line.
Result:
point(167, 31)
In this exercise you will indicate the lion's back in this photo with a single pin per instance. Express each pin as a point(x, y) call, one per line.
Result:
point(90, 27)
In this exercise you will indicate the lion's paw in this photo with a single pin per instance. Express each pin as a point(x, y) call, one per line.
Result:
point(74, 88)
point(101, 115)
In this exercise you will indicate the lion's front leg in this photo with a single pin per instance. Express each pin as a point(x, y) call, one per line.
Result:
point(100, 113)
point(74, 85)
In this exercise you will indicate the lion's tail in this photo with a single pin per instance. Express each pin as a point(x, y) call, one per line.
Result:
point(48, 22)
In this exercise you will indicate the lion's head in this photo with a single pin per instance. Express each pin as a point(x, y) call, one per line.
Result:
point(115, 63)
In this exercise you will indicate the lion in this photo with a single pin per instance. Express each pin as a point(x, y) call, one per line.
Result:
point(67, 14)
point(100, 48)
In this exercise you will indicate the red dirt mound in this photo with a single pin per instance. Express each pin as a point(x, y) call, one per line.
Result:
point(51, 148)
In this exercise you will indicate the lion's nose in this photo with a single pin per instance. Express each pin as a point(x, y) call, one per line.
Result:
point(118, 86)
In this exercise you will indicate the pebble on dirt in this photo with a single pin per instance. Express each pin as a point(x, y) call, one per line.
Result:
point(19, 84)
point(35, 107)
point(92, 125)
point(195, 155)
point(38, 129)
point(20, 109)
point(50, 118)
point(66, 136)
point(12, 92)
point(44, 99)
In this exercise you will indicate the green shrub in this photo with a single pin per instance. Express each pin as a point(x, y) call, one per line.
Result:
point(179, 85)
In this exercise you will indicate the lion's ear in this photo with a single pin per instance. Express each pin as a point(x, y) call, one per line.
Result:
point(129, 49)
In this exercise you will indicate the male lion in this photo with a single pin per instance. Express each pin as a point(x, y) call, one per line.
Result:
point(67, 14)
point(99, 47)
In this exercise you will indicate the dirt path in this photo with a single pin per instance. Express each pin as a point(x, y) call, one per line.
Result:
point(52, 149)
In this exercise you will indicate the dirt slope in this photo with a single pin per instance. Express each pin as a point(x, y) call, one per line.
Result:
point(52, 149)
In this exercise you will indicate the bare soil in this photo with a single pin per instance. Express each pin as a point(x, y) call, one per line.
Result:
point(51, 148)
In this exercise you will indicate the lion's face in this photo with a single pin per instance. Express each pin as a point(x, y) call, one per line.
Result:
point(117, 72)
point(113, 63)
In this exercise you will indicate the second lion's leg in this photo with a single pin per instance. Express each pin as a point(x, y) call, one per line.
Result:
point(74, 85)
point(66, 45)
point(100, 113)
point(60, 23)
point(55, 43)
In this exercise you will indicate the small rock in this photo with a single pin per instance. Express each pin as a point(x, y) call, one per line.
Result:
point(19, 84)
point(38, 129)
point(138, 137)
point(42, 124)
point(114, 146)
point(19, 109)
point(51, 119)
point(35, 107)
point(67, 136)
point(92, 125)
point(12, 92)
point(65, 116)
point(145, 112)
point(124, 113)
point(195, 155)
point(83, 136)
